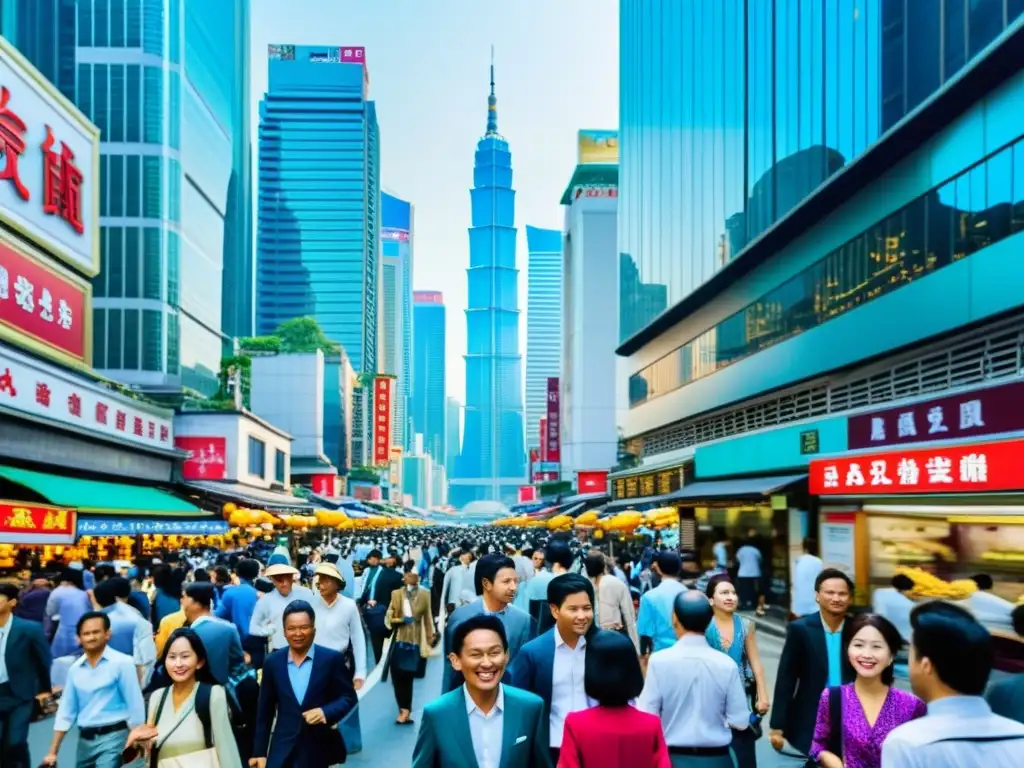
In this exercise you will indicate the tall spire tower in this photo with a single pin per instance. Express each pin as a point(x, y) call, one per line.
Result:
point(492, 464)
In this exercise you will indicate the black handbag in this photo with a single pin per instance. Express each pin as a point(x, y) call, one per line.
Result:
point(405, 657)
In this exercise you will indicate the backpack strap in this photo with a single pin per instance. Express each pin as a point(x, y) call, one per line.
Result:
point(835, 720)
point(203, 712)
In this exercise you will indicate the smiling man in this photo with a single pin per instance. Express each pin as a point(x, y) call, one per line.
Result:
point(482, 723)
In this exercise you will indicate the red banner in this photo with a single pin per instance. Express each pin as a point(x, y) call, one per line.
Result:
point(325, 485)
point(543, 439)
point(36, 524)
point(527, 494)
point(593, 481)
point(40, 304)
point(381, 420)
point(553, 437)
point(976, 468)
point(207, 457)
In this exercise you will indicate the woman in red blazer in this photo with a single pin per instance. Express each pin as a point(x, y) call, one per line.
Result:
point(613, 734)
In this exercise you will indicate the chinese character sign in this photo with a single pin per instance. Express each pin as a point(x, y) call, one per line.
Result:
point(382, 420)
point(553, 436)
point(38, 306)
point(207, 457)
point(595, 481)
point(36, 524)
point(50, 168)
point(979, 467)
point(982, 412)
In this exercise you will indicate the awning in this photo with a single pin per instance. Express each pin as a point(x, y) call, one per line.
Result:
point(745, 489)
point(93, 497)
point(248, 496)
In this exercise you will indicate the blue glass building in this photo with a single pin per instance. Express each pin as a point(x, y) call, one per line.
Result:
point(493, 459)
point(167, 83)
point(544, 306)
point(427, 411)
point(396, 341)
point(318, 225)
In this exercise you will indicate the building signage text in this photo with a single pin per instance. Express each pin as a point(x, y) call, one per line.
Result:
point(809, 442)
point(381, 420)
point(553, 436)
point(207, 457)
point(127, 526)
point(659, 483)
point(36, 524)
point(592, 192)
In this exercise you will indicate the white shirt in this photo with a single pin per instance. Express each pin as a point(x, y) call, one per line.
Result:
point(697, 693)
point(268, 616)
point(567, 691)
point(749, 558)
point(486, 729)
point(805, 571)
point(458, 587)
point(896, 607)
point(5, 632)
point(338, 626)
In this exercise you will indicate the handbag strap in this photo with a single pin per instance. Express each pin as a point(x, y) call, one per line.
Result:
point(835, 721)
point(201, 706)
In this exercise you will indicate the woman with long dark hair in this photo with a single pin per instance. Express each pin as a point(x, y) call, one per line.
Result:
point(189, 718)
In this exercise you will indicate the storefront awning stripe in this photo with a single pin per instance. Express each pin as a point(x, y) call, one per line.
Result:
point(96, 497)
point(715, 490)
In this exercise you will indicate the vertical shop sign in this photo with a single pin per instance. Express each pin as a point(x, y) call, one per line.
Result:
point(838, 545)
point(553, 438)
point(382, 420)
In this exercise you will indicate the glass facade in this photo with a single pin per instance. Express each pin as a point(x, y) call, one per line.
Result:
point(978, 207)
point(543, 323)
point(318, 213)
point(733, 111)
point(427, 406)
point(395, 344)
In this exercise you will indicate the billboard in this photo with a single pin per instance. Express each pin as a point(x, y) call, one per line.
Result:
point(382, 386)
point(207, 457)
point(281, 52)
point(393, 234)
point(597, 147)
point(428, 297)
point(49, 186)
point(22, 523)
point(553, 438)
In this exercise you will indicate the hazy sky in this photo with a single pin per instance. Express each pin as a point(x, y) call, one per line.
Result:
point(557, 72)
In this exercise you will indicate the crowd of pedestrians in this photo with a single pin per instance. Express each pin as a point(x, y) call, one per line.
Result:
point(555, 655)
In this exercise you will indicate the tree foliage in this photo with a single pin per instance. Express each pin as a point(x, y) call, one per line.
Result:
point(260, 345)
point(304, 334)
point(364, 475)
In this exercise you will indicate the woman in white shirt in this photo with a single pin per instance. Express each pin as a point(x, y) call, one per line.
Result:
point(175, 726)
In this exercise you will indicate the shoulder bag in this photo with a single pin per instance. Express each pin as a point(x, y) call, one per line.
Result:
point(204, 758)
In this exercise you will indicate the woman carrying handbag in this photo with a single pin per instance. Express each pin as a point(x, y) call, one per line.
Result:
point(411, 640)
point(189, 724)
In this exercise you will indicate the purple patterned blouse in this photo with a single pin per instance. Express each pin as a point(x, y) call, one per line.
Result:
point(862, 743)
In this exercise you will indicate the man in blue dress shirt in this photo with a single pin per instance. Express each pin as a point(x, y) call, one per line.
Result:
point(101, 696)
point(237, 605)
point(654, 622)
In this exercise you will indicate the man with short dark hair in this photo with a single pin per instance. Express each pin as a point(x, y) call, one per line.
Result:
point(502, 725)
point(559, 559)
point(1006, 697)
point(654, 620)
point(812, 660)
point(306, 690)
point(225, 657)
point(130, 633)
point(695, 690)
point(237, 605)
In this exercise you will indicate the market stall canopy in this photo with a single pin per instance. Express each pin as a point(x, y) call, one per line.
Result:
point(94, 497)
point(714, 490)
point(246, 495)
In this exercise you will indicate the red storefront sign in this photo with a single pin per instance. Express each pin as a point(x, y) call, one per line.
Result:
point(381, 420)
point(41, 304)
point(543, 439)
point(36, 524)
point(593, 481)
point(553, 436)
point(325, 485)
point(527, 494)
point(976, 468)
point(207, 457)
point(988, 411)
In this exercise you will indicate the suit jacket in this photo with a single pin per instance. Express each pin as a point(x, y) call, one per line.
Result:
point(224, 653)
point(519, 628)
point(1006, 697)
point(613, 736)
point(28, 660)
point(445, 740)
point(295, 744)
point(389, 580)
point(533, 668)
point(802, 676)
point(422, 626)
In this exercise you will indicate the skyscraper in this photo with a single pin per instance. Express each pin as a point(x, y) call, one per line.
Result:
point(453, 432)
point(167, 84)
point(543, 323)
point(493, 459)
point(396, 341)
point(320, 168)
point(428, 372)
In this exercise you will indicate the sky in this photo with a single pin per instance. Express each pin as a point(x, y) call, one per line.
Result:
point(556, 65)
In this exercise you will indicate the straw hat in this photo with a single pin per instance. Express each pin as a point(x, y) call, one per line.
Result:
point(280, 569)
point(329, 569)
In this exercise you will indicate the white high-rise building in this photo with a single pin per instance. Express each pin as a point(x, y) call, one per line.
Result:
point(395, 345)
point(543, 323)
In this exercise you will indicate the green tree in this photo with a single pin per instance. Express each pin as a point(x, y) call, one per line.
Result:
point(364, 475)
point(304, 334)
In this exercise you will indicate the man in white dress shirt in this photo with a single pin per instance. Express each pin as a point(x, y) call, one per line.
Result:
point(950, 662)
point(268, 616)
point(695, 690)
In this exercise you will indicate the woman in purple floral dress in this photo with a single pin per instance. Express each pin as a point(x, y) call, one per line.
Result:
point(869, 708)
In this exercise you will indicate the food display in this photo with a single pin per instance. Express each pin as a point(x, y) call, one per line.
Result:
point(929, 586)
point(900, 540)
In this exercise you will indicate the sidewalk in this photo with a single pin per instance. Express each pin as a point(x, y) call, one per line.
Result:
point(772, 624)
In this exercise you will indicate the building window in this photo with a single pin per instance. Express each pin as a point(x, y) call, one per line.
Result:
point(279, 466)
point(257, 457)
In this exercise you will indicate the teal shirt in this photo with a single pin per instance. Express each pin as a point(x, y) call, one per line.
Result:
point(834, 647)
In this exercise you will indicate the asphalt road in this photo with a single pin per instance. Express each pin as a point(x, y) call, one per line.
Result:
point(385, 743)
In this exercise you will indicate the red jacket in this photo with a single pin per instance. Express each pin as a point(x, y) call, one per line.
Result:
point(613, 737)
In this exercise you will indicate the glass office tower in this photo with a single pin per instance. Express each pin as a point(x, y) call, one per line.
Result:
point(492, 449)
point(428, 373)
point(543, 323)
point(318, 225)
point(396, 328)
point(733, 111)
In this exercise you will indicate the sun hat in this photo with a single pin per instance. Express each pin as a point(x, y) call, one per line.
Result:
point(280, 569)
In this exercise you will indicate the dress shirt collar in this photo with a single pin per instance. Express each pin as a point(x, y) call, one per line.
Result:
point(6, 625)
point(559, 642)
point(83, 660)
point(309, 656)
point(471, 707)
point(960, 706)
point(501, 612)
point(693, 640)
point(201, 619)
point(824, 625)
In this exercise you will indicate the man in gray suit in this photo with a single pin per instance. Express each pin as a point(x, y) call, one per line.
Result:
point(1006, 697)
point(496, 583)
point(224, 653)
